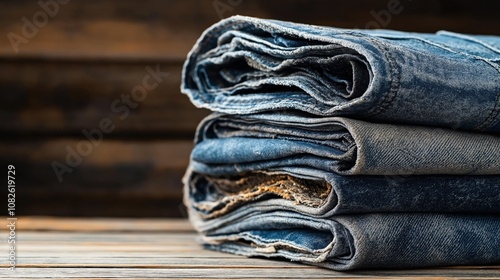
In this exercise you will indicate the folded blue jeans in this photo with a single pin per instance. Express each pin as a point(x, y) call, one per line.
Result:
point(284, 161)
point(345, 148)
point(213, 197)
point(233, 144)
point(283, 185)
point(246, 65)
point(398, 240)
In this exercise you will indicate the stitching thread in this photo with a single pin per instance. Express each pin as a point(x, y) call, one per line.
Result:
point(389, 98)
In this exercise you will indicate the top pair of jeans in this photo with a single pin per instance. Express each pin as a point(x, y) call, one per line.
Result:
point(245, 65)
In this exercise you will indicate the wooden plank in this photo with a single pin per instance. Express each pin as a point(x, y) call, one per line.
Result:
point(82, 225)
point(118, 178)
point(160, 153)
point(111, 204)
point(103, 29)
point(179, 230)
point(188, 254)
point(127, 248)
point(245, 273)
point(155, 28)
point(149, 262)
point(60, 97)
point(149, 165)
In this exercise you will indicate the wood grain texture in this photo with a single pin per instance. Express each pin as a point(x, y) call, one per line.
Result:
point(155, 28)
point(79, 226)
point(117, 178)
point(53, 248)
point(64, 98)
point(66, 75)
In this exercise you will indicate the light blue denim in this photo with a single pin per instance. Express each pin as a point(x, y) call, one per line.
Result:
point(246, 65)
point(233, 144)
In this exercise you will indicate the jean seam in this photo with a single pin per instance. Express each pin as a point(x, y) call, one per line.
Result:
point(388, 99)
point(492, 117)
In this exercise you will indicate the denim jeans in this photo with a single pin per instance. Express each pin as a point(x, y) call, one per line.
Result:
point(284, 161)
point(232, 144)
point(398, 240)
point(345, 148)
point(246, 65)
point(214, 197)
point(281, 185)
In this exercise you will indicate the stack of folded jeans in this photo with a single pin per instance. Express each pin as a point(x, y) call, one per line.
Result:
point(343, 148)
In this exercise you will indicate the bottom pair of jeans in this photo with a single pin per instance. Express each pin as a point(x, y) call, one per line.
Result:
point(349, 222)
point(346, 242)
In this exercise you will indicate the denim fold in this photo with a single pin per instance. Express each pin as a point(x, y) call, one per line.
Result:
point(346, 242)
point(283, 185)
point(286, 161)
point(245, 65)
point(213, 197)
point(231, 144)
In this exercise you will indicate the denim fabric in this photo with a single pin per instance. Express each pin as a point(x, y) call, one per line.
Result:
point(214, 197)
point(284, 161)
point(275, 185)
point(229, 145)
point(245, 65)
point(400, 240)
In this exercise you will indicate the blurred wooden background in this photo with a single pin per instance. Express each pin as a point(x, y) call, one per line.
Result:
point(66, 77)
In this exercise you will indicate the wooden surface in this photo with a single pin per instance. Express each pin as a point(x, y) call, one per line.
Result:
point(65, 78)
point(164, 249)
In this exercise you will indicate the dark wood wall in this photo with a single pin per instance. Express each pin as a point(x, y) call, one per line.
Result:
point(65, 75)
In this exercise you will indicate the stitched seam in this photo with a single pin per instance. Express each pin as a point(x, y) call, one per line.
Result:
point(391, 95)
point(495, 112)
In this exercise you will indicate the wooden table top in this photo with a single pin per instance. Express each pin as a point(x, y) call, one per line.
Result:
point(101, 248)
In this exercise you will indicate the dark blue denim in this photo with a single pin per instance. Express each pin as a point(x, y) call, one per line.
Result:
point(403, 240)
point(211, 197)
point(245, 65)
